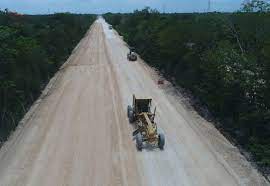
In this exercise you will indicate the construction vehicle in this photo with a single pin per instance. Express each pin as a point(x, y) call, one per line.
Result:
point(132, 56)
point(146, 129)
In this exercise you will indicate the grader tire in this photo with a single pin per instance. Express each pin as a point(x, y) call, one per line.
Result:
point(161, 141)
point(129, 108)
point(130, 114)
point(134, 58)
point(139, 141)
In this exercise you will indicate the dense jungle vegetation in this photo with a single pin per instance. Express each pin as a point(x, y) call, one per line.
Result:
point(32, 48)
point(222, 58)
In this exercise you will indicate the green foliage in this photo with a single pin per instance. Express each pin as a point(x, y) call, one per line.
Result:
point(223, 59)
point(31, 50)
point(256, 6)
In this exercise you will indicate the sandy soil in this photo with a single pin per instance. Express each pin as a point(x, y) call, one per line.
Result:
point(77, 132)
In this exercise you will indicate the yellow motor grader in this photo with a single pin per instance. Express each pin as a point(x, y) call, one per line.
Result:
point(146, 128)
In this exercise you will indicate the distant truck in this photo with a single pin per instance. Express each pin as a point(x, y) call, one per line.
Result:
point(110, 27)
point(132, 56)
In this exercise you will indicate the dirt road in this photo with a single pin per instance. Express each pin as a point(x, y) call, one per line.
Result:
point(78, 134)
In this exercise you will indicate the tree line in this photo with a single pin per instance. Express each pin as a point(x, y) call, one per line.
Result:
point(222, 58)
point(32, 48)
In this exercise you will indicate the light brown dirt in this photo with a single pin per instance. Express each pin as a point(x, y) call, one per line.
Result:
point(78, 134)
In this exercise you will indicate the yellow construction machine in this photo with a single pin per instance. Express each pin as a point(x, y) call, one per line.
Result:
point(146, 129)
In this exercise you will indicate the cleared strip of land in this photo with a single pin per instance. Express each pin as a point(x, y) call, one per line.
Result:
point(78, 132)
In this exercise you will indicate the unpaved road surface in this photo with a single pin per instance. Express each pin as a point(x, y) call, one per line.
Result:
point(78, 134)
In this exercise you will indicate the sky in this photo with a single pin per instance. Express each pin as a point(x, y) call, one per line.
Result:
point(102, 6)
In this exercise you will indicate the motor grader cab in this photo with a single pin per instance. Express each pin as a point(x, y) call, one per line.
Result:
point(132, 56)
point(146, 127)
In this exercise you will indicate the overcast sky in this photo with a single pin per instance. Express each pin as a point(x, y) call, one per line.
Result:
point(101, 6)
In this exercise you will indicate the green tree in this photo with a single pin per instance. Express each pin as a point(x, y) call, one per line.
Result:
point(256, 6)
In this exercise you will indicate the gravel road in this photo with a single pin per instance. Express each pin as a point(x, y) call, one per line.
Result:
point(77, 133)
